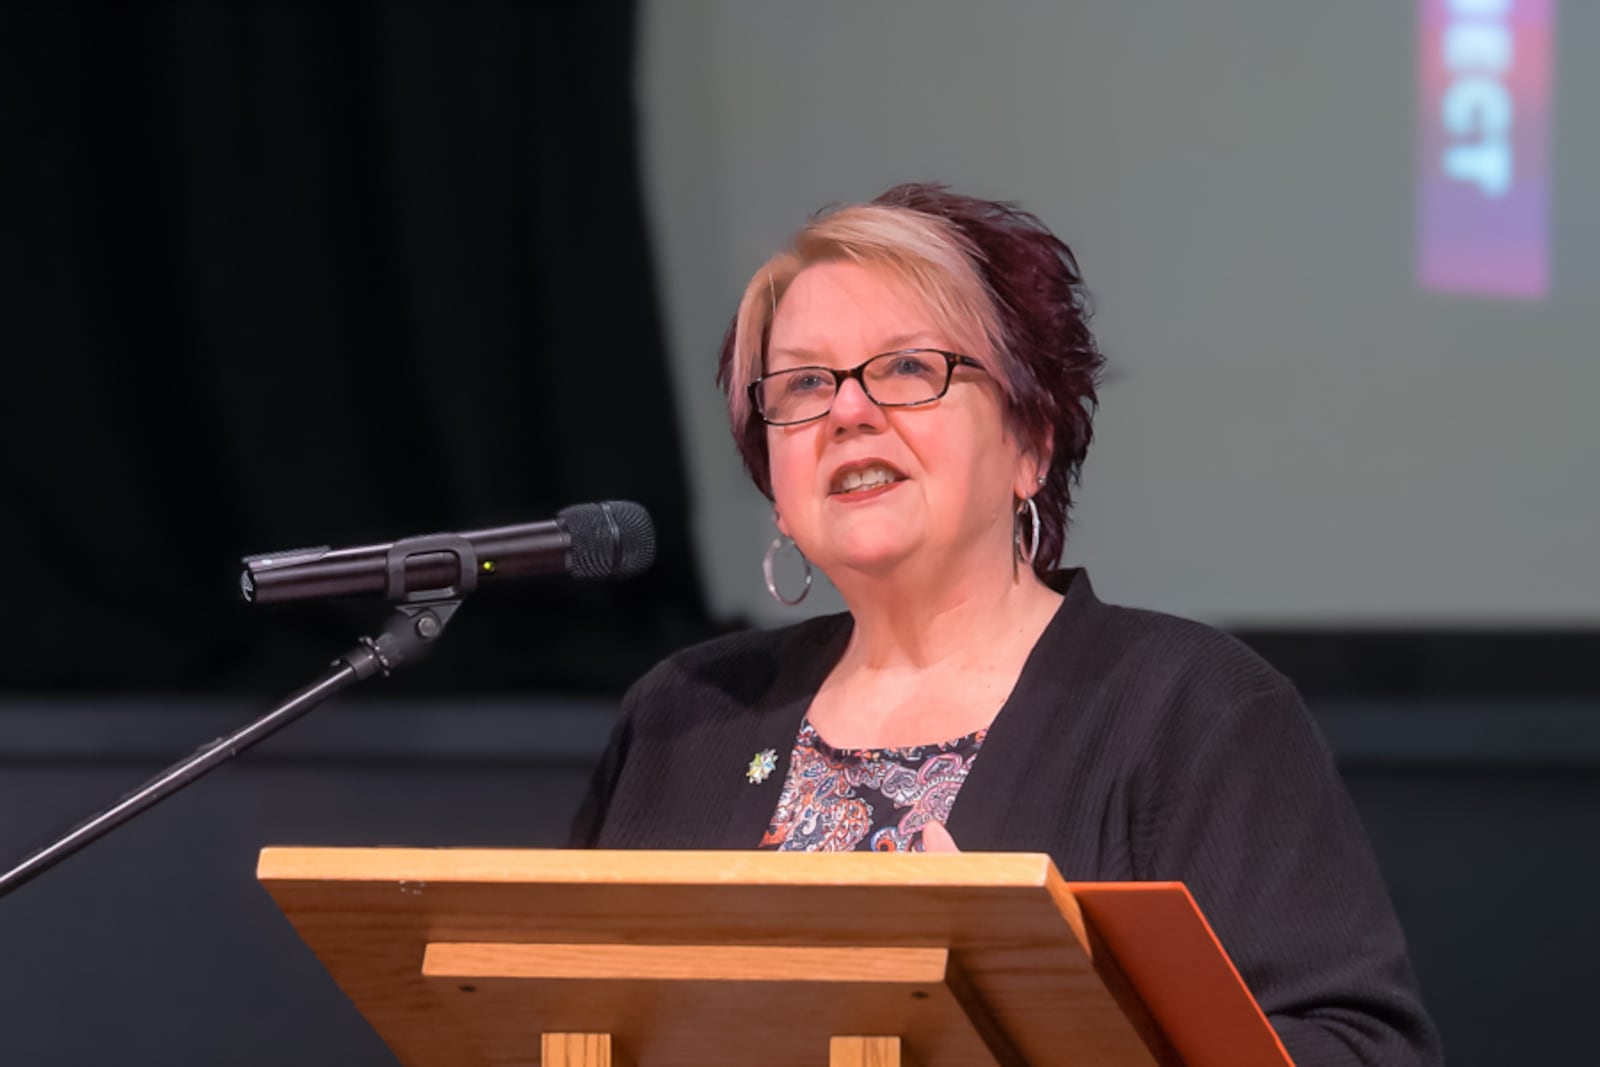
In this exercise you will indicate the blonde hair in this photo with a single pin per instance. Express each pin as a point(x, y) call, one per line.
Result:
point(928, 254)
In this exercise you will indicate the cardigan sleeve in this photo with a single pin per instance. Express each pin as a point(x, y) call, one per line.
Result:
point(1251, 814)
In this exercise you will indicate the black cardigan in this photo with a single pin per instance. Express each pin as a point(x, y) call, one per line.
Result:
point(1135, 747)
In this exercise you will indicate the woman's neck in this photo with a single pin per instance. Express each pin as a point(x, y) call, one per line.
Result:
point(914, 623)
point(930, 661)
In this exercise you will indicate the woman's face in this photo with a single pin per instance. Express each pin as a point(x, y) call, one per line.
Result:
point(953, 471)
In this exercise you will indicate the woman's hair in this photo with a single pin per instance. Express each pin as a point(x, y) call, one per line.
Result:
point(993, 279)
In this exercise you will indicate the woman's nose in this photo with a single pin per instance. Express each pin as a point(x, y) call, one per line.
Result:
point(852, 405)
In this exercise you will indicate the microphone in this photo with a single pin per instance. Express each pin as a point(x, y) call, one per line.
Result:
point(614, 539)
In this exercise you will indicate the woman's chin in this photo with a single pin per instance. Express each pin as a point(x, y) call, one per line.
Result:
point(875, 558)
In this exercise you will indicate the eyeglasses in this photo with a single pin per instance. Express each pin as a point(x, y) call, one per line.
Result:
point(902, 379)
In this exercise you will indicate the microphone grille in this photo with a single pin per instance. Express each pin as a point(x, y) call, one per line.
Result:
point(614, 539)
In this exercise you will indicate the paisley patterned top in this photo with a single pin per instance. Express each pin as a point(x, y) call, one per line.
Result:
point(840, 799)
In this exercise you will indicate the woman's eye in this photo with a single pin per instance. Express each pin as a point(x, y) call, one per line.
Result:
point(807, 382)
point(910, 367)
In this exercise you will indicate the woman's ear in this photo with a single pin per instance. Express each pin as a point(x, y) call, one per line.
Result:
point(1028, 484)
point(1034, 468)
point(777, 520)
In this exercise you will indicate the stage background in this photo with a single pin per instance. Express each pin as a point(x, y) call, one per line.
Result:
point(1297, 431)
point(275, 276)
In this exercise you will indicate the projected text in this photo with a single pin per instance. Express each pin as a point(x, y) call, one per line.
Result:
point(1484, 88)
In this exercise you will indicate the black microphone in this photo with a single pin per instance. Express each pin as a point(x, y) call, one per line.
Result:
point(614, 539)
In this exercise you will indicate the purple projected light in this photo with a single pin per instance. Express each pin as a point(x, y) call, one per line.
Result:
point(1483, 188)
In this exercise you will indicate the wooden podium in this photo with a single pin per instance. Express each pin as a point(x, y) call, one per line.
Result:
point(494, 958)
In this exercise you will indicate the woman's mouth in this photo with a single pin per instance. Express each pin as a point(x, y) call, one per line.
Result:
point(859, 480)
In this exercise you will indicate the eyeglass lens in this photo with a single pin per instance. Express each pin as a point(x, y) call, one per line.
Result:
point(894, 379)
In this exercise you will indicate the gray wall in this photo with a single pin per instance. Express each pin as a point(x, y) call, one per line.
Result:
point(157, 946)
point(1297, 433)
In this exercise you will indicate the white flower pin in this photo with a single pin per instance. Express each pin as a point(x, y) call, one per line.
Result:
point(761, 766)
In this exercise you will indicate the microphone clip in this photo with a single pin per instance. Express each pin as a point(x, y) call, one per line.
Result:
point(433, 545)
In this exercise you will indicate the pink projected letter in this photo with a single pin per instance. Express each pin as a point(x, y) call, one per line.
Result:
point(1483, 188)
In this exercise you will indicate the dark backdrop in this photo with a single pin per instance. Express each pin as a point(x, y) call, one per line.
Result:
point(281, 274)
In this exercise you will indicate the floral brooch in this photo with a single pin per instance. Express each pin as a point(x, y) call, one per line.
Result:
point(761, 766)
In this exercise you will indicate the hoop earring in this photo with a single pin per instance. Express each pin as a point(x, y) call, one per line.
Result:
point(778, 545)
point(1029, 548)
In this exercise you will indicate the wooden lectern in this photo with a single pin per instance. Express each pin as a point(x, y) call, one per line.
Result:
point(494, 958)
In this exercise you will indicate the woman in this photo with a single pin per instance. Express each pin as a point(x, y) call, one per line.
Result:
point(911, 383)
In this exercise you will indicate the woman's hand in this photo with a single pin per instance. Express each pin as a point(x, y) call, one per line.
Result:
point(935, 838)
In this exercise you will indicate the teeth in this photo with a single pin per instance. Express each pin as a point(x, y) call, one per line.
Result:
point(870, 478)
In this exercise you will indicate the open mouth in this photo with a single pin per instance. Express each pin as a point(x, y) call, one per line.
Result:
point(864, 479)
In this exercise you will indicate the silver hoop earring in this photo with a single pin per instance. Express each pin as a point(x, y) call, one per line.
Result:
point(778, 545)
point(1029, 548)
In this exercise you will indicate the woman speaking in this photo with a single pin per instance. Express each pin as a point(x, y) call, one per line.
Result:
point(911, 383)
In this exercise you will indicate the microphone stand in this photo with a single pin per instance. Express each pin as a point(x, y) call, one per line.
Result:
point(407, 636)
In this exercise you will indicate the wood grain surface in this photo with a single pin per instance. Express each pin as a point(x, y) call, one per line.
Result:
point(466, 957)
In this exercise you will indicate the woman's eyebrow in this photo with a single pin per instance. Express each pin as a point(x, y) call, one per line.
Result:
point(897, 343)
point(902, 341)
point(795, 352)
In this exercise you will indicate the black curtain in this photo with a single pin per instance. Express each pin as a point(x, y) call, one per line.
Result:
point(280, 275)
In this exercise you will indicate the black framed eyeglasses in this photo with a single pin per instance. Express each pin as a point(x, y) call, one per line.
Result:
point(901, 379)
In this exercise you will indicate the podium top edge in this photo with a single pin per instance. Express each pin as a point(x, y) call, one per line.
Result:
point(633, 867)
